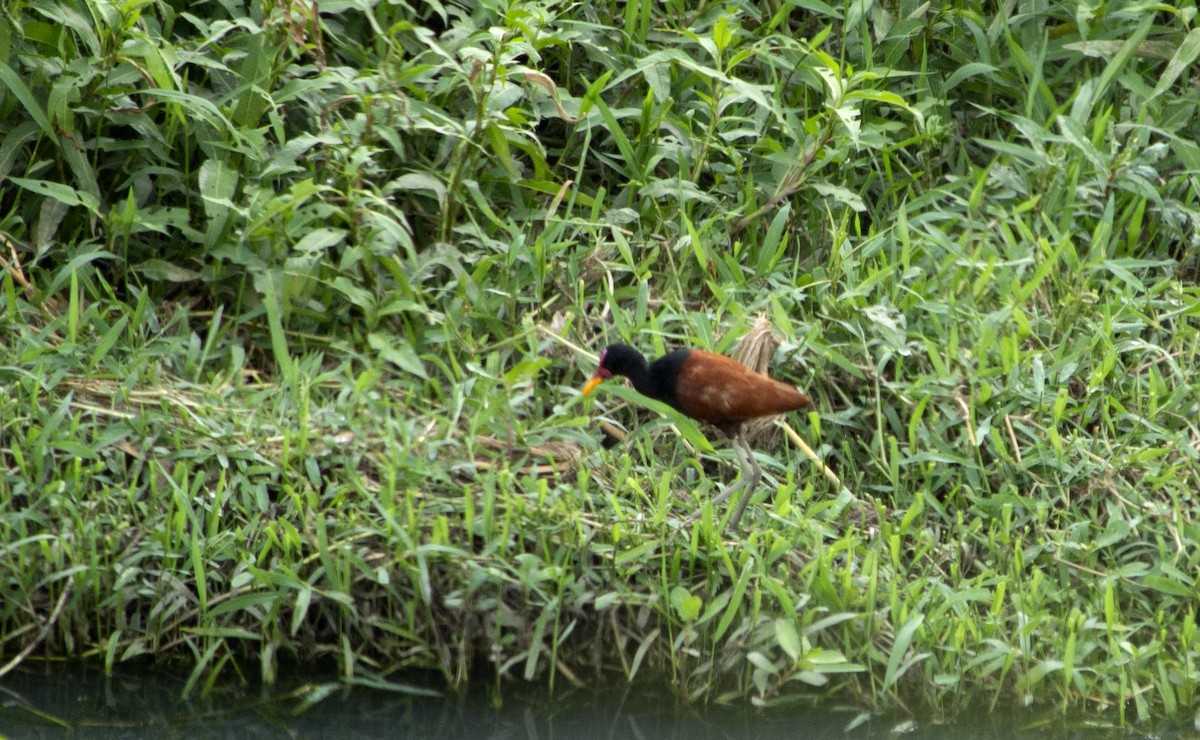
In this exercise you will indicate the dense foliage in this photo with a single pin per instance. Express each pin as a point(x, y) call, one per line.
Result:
point(297, 296)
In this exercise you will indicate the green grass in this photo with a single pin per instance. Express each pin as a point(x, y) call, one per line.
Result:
point(296, 310)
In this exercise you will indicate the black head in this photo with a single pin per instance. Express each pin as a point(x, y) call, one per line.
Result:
point(621, 359)
point(617, 359)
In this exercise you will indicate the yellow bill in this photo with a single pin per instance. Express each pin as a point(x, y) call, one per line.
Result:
point(591, 384)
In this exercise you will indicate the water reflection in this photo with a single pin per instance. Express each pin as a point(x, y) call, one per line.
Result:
point(55, 701)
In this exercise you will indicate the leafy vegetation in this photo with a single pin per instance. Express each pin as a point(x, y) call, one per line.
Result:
point(297, 299)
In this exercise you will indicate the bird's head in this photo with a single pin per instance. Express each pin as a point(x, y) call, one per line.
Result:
point(615, 359)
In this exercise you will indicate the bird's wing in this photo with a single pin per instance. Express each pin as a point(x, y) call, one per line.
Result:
point(722, 391)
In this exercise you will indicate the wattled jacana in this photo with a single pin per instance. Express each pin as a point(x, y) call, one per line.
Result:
point(710, 388)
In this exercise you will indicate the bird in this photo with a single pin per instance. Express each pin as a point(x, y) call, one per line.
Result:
point(709, 388)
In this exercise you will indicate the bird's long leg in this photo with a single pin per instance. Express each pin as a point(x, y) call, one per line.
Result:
point(729, 490)
point(751, 475)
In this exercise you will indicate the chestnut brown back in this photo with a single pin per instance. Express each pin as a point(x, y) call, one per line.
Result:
point(723, 392)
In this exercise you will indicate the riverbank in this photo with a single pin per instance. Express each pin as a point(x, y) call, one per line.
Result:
point(294, 326)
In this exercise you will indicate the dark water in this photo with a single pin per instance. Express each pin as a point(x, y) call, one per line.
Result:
point(41, 701)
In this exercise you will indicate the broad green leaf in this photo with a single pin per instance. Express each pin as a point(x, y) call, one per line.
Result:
point(9, 79)
point(59, 192)
point(788, 638)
